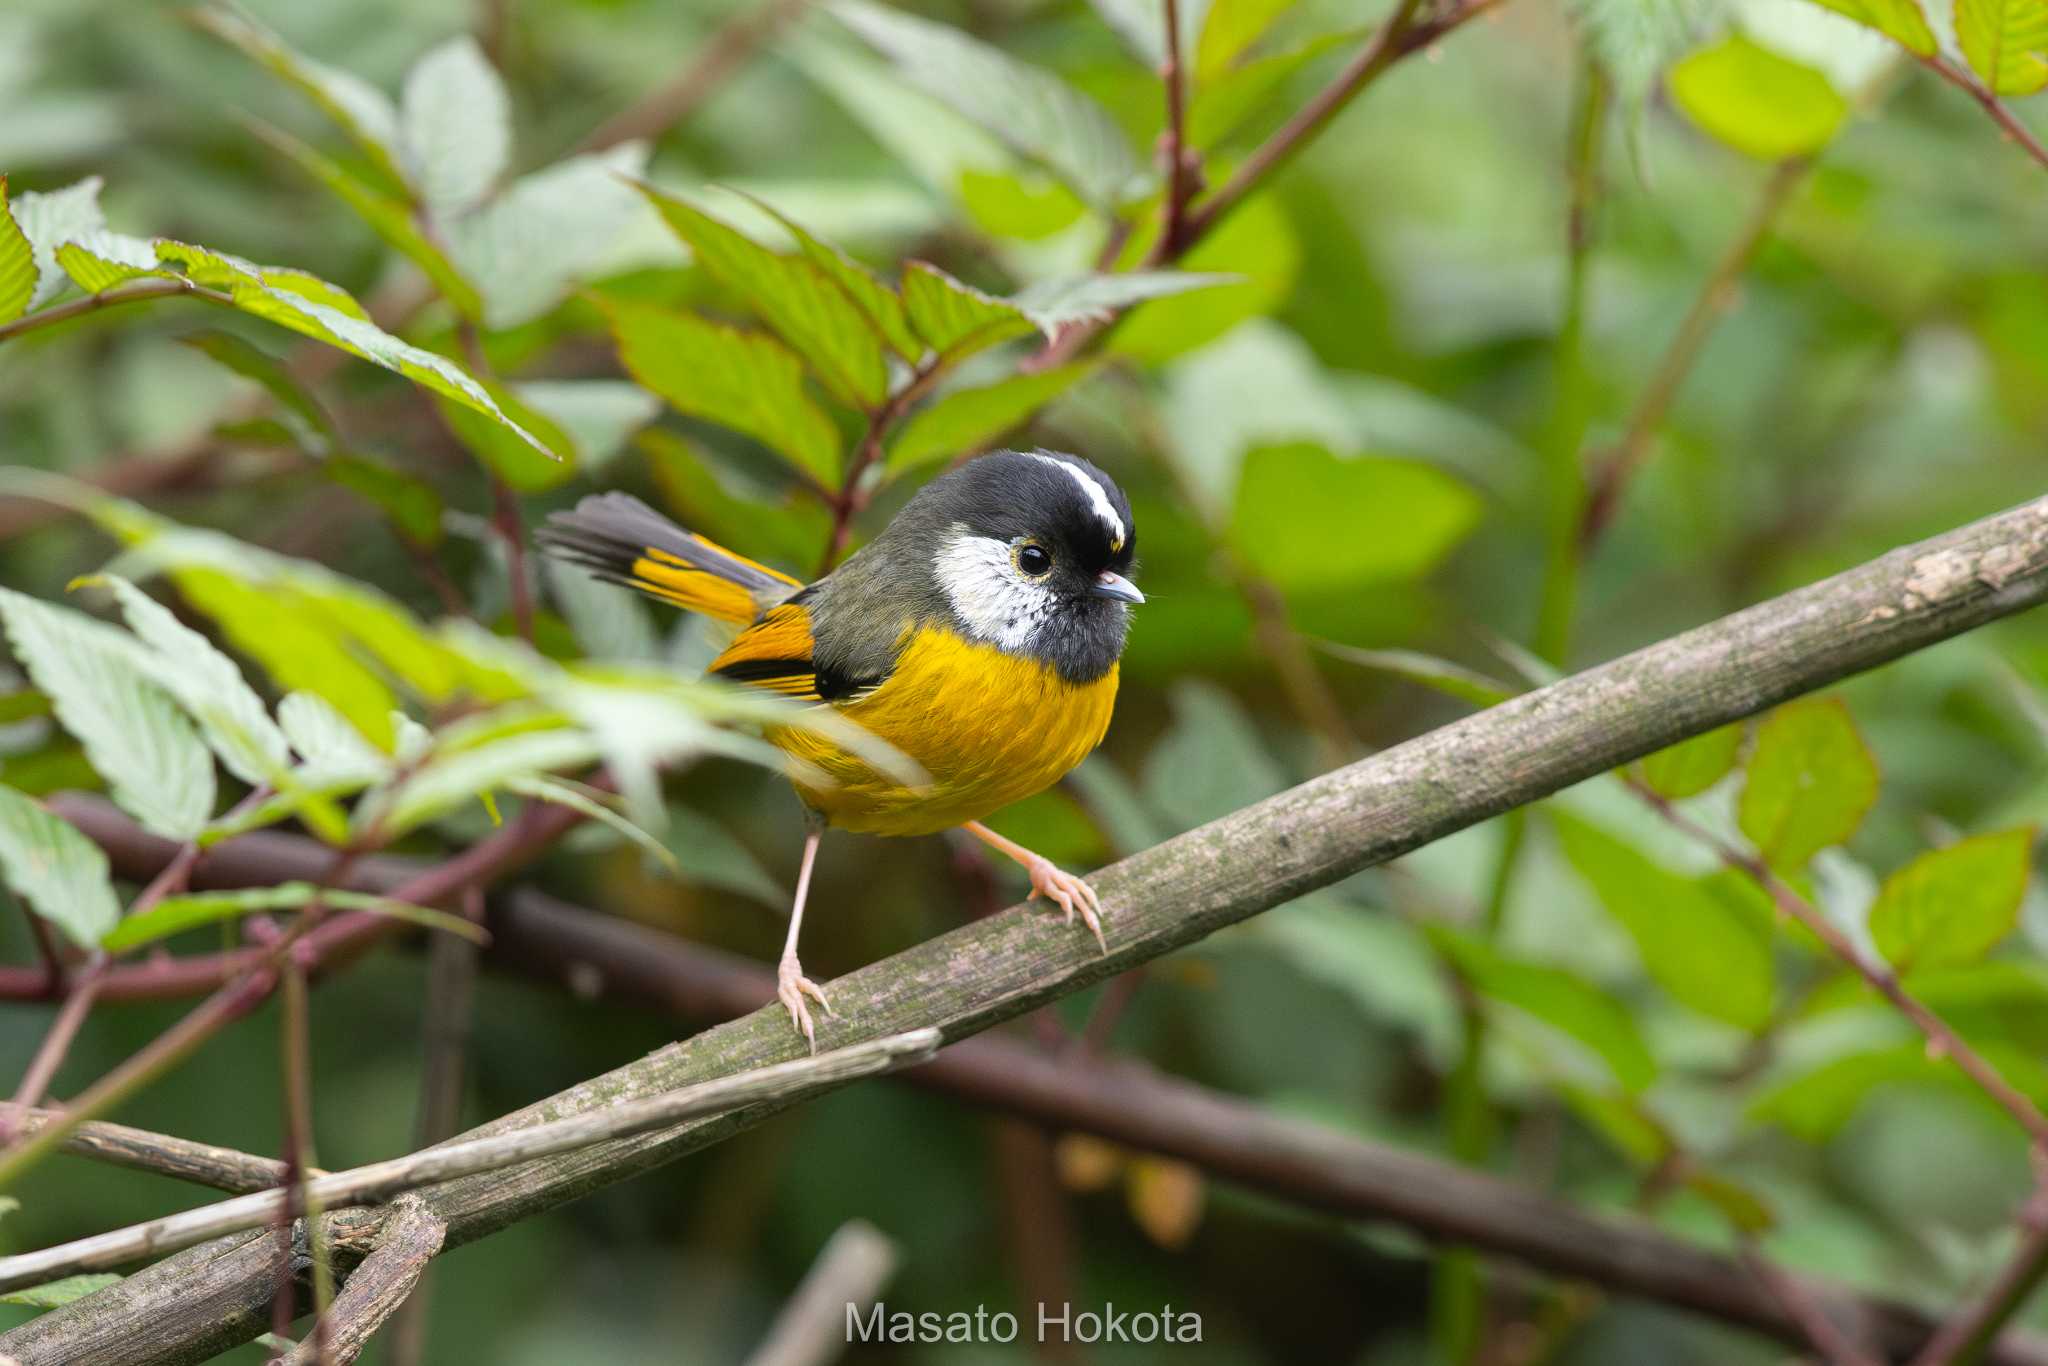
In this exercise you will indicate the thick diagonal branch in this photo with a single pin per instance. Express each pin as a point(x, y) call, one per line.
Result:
point(412, 1235)
point(1222, 873)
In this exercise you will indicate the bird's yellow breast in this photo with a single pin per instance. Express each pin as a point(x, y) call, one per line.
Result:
point(989, 727)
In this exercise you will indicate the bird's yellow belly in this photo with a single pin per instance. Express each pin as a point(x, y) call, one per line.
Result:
point(990, 728)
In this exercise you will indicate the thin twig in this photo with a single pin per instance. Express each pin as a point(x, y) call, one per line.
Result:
point(1825, 1334)
point(131, 292)
point(1995, 107)
point(382, 1180)
point(1174, 149)
point(1716, 297)
point(1965, 1337)
point(296, 1057)
point(857, 1261)
point(1942, 1040)
point(203, 1163)
point(853, 494)
point(386, 1281)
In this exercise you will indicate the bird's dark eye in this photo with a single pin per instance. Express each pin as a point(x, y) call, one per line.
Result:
point(1034, 561)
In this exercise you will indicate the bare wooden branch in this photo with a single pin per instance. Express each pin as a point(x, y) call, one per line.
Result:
point(412, 1235)
point(221, 1168)
point(1233, 868)
point(811, 1329)
point(784, 1082)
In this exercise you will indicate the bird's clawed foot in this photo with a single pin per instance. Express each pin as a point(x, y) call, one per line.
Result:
point(791, 988)
point(1070, 893)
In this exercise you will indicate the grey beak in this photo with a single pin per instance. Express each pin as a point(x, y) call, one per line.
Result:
point(1108, 585)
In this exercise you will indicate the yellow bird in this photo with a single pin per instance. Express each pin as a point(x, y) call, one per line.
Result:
point(978, 635)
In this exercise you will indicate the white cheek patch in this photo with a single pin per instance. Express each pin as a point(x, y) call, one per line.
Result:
point(998, 603)
point(1097, 496)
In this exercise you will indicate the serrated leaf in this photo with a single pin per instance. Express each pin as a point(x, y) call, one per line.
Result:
point(881, 304)
point(1559, 999)
point(1809, 784)
point(547, 232)
point(57, 1294)
point(55, 869)
point(455, 122)
point(1054, 304)
point(967, 419)
point(98, 259)
point(363, 113)
point(957, 320)
point(1692, 766)
point(135, 736)
point(390, 218)
point(17, 264)
point(1699, 947)
point(52, 218)
point(209, 686)
point(301, 302)
point(1952, 905)
point(2005, 42)
point(795, 296)
point(1899, 20)
point(1758, 102)
point(1038, 115)
point(310, 425)
point(190, 911)
point(325, 741)
point(743, 380)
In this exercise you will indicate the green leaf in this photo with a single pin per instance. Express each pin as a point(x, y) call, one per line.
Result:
point(1809, 785)
point(1815, 1103)
point(607, 623)
point(2005, 42)
point(1028, 206)
point(412, 504)
point(1232, 27)
point(189, 911)
point(310, 425)
point(1038, 115)
point(1559, 999)
point(450, 780)
point(209, 686)
point(331, 749)
point(591, 803)
point(1211, 762)
point(709, 855)
point(363, 113)
point(49, 220)
point(1690, 767)
point(99, 680)
point(1899, 20)
point(1054, 304)
point(1952, 904)
point(57, 1294)
point(881, 304)
point(1223, 103)
point(549, 231)
point(743, 380)
point(1636, 40)
point(967, 419)
point(597, 415)
point(60, 873)
point(794, 295)
point(957, 320)
point(1442, 675)
point(17, 264)
point(455, 125)
point(511, 459)
point(294, 299)
point(1757, 102)
point(1700, 947)
point(1142, 26)
point(390, 218)
point(1255, 242)
point(1309, 519)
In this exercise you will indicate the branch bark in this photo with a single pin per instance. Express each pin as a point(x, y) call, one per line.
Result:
point(412, 1235)
point(203, 1163)
point(1188, 887)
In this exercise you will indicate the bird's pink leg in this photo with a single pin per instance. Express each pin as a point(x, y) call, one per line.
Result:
point(1048, 880)
point(791, 984)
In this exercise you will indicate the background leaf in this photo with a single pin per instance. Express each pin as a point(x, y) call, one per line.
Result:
point(1952, 905)
point(1756, 101)
point(1559, 999)
point(17, 264)
point(2005, 42)
point(967, 419)
point(1692, 766)
point(455, 125)
point(1810, 781)
point(60, 873)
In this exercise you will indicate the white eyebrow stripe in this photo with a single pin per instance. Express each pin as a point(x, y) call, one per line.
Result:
point(1098, 497)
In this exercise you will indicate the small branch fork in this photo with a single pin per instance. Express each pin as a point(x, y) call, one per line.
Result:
point(853, 493)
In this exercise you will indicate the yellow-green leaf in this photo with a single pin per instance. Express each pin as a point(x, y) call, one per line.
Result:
point(1951, 905)
point(17, 264)
point(794, 295)
point(1757, 102)
point(1692, 766)
point(2005, 42)
point(967, 419)
point(1899, 20)
point(955, 319)
point(1810, 782)
point(884, 308)
point(1310, 519)
point(743, 380)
